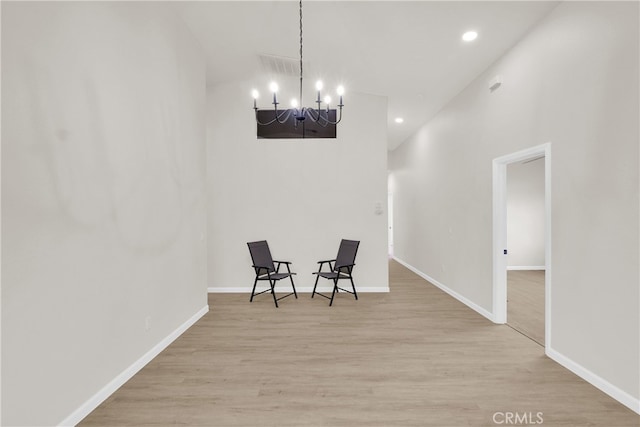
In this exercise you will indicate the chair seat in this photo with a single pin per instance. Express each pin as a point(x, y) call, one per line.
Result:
point(276, 276)
point(327, 274)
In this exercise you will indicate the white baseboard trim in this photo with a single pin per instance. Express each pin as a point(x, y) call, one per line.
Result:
point(446, 289)
point(299, 289)
point(231, 290)
point(600, 383)
point(102, 395)
point(525, 267)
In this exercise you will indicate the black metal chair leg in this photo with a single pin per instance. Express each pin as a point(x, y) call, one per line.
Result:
point(314, 286)
point(335, 287)
point(273, 292)
point(253, 291)
point(292, 285)
point(355, 294)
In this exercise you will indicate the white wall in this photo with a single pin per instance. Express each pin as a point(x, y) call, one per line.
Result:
point(103, 196)
point(302, 196)
point(573, 81)
point(525, 214)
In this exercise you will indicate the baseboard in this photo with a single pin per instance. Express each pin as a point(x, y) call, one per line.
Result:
point(230, 290)
point(621, 396)
point(299, 289)
point(526, 267)
point(448, 290)
point(91, 404)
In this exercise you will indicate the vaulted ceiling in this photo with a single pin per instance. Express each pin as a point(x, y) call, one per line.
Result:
point(409, 51)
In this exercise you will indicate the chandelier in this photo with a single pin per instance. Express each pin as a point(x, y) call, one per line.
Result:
point(319, 114)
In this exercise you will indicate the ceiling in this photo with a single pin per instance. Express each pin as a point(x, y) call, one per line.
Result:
point(409, 51)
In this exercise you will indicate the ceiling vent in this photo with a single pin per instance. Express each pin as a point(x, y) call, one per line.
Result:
point(280, 65)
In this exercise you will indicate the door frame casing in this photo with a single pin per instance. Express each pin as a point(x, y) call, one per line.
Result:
point(500, 232)
point(390, 230)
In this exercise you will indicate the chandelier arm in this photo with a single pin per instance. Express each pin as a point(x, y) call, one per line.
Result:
point(270, 122)
point(276, 118)
point(339, 118)
point(286, 114)
point(323, 120)
point(310, 113)
point(317, 117)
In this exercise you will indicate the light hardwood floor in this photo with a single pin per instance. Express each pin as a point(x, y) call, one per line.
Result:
point(412, 357)
point(525, 303)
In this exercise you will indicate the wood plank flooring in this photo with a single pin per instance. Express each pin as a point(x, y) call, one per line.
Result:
point(411, 357)
point(525, 303)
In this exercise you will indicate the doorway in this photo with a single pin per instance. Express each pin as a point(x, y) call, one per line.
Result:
point(525, 243)
point(500, 234)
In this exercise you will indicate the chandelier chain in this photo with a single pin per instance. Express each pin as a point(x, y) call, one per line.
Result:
point(301, 53)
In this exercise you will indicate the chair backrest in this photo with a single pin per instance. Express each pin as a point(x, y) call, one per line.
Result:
point(261, 255)
point(346, 253)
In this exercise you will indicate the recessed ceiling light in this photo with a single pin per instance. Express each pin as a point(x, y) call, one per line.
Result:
point(399, 120)
point(469, 36)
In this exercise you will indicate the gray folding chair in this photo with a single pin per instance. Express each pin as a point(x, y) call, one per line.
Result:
point(340, 268)
point(265, 269)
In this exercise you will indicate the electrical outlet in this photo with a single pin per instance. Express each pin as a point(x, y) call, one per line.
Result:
point(147, 323)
